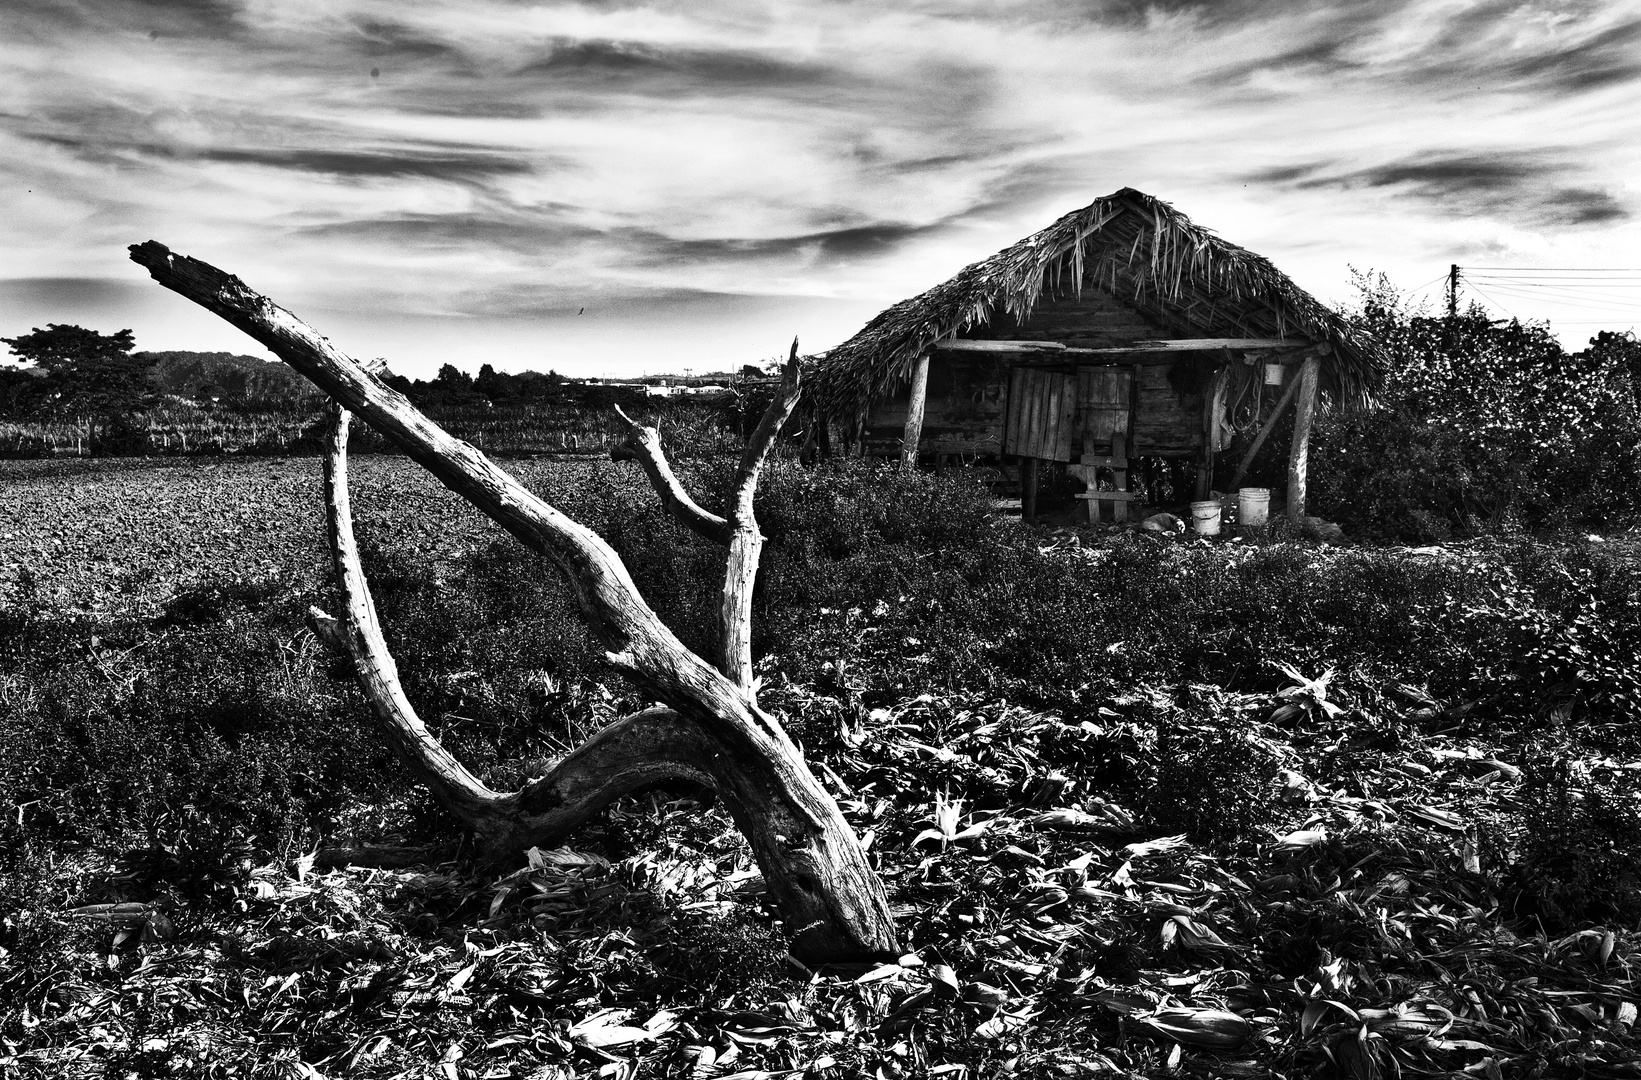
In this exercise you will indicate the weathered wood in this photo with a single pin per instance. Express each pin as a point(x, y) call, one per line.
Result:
point(1041, 408)
point(914, 411)
point(745, 540)
point(1165, 421)
point(1264, 433)
point(359, 631)
point(817, 873)
point(1028, 489)
point(963, 413)
point(1212, 402)
point(644, 444)
point(1088, 470)
point(1104, 398)
point(1020, 345)
point(1299, 455)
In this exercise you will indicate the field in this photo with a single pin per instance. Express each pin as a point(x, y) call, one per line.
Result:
point(119, 536)
point(1144, 807)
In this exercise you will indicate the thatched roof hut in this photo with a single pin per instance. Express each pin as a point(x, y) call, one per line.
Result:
point(1124, 296)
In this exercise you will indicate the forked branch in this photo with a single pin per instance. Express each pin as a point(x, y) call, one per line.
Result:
point(740, 532)
point(712, 727)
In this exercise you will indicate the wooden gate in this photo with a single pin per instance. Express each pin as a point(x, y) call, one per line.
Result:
point(1041, 410)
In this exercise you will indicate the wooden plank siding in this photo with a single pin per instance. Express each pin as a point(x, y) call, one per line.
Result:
point(970, 411)
point(1165, 422)
point(962, 416)
point(1104, 404)
point(1042, 408)
point(1090, 319)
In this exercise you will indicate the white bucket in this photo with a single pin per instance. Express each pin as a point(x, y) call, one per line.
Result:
point(1253, 506)
point(1205, 517)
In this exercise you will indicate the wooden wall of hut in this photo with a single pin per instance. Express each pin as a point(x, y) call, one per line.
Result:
point(963, 414)
point(966, 411)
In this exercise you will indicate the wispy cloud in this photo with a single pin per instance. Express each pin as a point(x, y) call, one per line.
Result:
point(485, 158)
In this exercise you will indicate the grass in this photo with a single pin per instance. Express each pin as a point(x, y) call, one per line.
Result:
point(1091, 790)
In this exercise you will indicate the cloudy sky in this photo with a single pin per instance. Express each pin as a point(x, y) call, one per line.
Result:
point(625, 187)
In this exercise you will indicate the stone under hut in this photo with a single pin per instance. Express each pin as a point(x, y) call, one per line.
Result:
point(1123, 333)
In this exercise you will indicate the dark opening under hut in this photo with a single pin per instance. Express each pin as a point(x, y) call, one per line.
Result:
point(1122, 331)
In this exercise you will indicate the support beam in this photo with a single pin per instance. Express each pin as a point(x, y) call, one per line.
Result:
point(1028, 489)
point(1299, 456)
point(914, 413)
point(1008, 345)
point(1215, 399)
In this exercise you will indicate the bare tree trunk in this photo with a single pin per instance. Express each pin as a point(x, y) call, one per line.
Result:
point(710, 727)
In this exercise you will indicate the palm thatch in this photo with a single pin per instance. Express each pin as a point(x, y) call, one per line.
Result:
point(1129, 245)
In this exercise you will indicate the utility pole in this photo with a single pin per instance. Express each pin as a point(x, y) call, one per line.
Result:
point(1453, 294)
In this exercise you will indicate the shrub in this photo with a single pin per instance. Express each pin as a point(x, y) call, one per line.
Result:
point(1579, 851)
point(1214, 781)
point(1482, 425)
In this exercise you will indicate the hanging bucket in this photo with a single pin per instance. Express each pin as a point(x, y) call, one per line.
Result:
point(1205, 517)
point(1253, 506)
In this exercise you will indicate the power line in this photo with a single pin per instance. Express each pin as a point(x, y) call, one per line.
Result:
point(1495, 303)
point(1602, 302)
point(1563, 287)
point(1565, 269)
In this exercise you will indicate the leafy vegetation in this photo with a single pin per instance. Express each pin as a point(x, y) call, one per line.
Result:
point(1130, 821)
point(1483, 426)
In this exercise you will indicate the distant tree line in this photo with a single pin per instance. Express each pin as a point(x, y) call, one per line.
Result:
point(122, 401)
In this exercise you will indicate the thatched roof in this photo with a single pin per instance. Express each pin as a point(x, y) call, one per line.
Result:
point(1133, 247)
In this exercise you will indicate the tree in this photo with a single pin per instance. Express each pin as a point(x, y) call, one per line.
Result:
point(59, 346)
point(708, 725)
point(87, 374)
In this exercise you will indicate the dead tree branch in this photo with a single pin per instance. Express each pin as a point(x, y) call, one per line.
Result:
point(712, 727)
point(644, 443)
point(746, 542)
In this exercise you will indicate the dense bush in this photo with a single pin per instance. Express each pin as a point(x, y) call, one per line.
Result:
point(1482, 425)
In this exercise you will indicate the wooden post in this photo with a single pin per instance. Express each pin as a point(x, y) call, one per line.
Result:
point(914, 413)
point(1210, 428)
point(1299, 456)
point(1028, 489)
